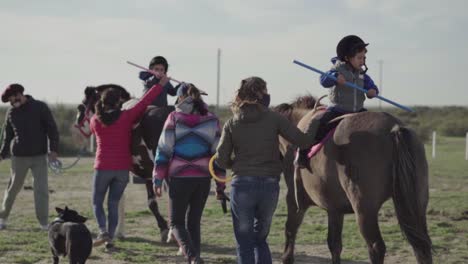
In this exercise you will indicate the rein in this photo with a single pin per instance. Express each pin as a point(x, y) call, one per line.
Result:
point(57, 166)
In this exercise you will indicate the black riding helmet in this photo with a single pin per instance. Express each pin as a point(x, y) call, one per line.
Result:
point(349, 46)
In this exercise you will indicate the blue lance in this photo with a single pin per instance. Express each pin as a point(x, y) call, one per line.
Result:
point(354, 86)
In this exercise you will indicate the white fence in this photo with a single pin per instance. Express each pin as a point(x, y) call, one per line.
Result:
point(466, 147)
point(434, 145)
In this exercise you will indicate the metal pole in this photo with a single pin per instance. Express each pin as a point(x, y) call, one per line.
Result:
point(218, 79)
point(380, 82)
point(434, 134)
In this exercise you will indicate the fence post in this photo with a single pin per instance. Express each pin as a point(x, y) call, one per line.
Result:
point(91, 143)
point(434, 134)
point(466, 147)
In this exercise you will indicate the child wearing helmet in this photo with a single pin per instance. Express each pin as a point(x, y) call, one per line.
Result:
point(348, 66)
point(158, 64)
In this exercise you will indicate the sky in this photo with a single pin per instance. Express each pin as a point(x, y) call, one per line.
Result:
point(57, 48)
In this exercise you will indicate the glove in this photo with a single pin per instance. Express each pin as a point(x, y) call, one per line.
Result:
point(144, 75)
point(222, 198)
point(220, 195)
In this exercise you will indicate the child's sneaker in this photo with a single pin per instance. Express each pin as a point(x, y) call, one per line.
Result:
point(109, 246)
point(101, 239)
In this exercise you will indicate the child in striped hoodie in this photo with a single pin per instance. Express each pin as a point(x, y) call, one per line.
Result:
point(189, 139)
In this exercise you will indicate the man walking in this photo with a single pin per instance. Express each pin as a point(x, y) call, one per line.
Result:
point(28, 125)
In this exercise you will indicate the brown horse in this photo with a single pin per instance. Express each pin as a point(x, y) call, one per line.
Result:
point(370, 158)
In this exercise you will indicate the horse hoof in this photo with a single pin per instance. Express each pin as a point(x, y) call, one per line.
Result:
point(164, 235)
point(288, 259)
point(180, 252)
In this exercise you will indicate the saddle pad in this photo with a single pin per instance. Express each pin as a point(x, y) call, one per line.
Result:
point(315, 148)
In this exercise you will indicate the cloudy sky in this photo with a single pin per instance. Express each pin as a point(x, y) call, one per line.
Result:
point(56, 48)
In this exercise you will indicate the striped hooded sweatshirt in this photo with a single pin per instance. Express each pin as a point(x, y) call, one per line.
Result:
point(187, 143)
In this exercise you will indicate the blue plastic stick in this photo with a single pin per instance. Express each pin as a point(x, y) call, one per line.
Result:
point(352, 85)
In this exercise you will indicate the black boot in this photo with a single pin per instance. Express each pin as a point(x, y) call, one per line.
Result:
point(302, 161)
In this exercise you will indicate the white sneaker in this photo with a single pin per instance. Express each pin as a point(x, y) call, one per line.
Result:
point(2, 224)
point(102, 238)
point(44, 227)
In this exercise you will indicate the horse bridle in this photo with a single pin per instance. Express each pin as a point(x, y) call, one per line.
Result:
point(86, 119)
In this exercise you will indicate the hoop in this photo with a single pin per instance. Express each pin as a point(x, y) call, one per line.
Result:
point(213, 174)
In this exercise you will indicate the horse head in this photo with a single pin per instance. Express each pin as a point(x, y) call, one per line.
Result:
point(301, 108)
point(85, 110)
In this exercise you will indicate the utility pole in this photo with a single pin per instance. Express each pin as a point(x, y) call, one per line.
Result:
point(380, 82)
point(218, 79)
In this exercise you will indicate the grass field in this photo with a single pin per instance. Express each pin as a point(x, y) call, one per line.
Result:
point(23, 242)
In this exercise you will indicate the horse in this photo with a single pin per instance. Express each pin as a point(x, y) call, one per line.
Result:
point(370, 158)
point(145, 137)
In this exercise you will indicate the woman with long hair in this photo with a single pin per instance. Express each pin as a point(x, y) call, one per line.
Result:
point(252, 135)
point(112, 128)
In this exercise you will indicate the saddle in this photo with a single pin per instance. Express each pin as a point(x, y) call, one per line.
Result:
point(328, 134)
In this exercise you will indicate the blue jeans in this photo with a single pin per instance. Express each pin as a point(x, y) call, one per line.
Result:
point(253, 202)
point(115, 181)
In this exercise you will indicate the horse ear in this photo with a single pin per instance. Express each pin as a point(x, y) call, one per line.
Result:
point(66, 208)
point(58, 210)
point(125, 95)
point(90, 90)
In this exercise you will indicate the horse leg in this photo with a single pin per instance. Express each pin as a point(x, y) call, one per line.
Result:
point(120, 230)
point(297, 202)
point(294, 219)
point(154, 208)
point(369, 227)
point(335, 228)
point(293, 223)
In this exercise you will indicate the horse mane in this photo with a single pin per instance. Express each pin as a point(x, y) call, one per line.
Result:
point(301, 105)
point(304, 102)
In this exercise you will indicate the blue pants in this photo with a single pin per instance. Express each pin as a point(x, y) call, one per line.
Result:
point(253, 202)
point(115, 181)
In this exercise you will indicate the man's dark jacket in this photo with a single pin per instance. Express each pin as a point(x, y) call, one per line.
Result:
point(27, 128)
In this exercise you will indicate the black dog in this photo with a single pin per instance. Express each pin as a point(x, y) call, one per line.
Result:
point(68, 235)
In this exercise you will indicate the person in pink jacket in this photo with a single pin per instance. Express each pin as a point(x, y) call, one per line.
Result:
point(112, 128)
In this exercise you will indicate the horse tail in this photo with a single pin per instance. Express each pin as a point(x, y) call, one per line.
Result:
point(410, 191)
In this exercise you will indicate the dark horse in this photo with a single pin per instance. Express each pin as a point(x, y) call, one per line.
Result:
point(145, 137)
point(370, 158)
